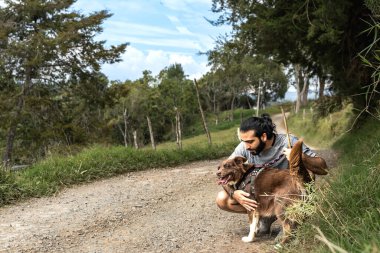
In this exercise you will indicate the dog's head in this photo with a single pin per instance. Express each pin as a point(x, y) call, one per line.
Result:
point(230, 171)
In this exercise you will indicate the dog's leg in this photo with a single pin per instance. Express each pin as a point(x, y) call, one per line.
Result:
point(253, 227)
point(287, 228)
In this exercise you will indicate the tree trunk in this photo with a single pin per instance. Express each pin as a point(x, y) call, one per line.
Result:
point(124, 131)
point(202, 114)
point(305, 90)
point(249, 103)
point(151, 133)
point(258, 100)
point(214, 100)
point(299, 86)
point(232, 107)
point(178, 128)
point(135, 139)
point(322, 84)
point(217, 114)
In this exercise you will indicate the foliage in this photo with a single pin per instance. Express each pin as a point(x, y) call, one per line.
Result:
point(43, 44)
point(323, 37)
point(370, 56)
point(325, 106)
point(154, 97)
point(236, 71)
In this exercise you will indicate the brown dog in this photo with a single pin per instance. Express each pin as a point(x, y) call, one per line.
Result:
point(274, 189)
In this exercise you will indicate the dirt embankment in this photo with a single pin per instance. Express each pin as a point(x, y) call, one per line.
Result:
point(166, 210)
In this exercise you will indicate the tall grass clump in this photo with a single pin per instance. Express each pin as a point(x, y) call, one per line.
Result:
point(9, 189)
point(347, 213)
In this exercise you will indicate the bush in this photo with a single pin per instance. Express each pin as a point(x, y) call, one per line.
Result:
point(325, 106)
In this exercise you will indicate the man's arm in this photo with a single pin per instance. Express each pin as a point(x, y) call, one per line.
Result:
point(229, 189)
point(241, 197)
point(315, 164)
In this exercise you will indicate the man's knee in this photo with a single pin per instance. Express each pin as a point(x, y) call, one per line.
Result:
point(221, 200)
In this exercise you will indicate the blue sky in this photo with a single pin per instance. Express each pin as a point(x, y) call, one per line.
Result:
point(160, 33)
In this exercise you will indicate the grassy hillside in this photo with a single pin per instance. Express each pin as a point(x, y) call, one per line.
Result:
point(347, 207)
point(324, 132)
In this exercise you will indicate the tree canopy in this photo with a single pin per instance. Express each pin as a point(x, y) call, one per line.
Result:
point(323, 37)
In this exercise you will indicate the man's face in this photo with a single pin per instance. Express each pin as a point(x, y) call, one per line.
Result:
point(252, 143)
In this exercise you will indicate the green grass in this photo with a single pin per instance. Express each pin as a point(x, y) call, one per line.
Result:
point(49, 176)
point(217, 137)
point(347, 210)
point(325, 131)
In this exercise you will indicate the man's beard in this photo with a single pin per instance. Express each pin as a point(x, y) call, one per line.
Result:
point(258, 150)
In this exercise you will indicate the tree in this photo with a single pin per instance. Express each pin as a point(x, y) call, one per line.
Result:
point(242, 72)
point(45, 42)
point(320, 38)
point(176, 97)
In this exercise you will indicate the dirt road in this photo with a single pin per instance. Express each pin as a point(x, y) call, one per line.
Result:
point(166, 210)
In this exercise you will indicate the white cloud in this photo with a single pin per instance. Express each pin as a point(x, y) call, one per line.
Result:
point(184, 4)
point(182, 38)
point(135, 62)
point(183, 30)
point(162, 42)
point(183, 59)
point(97, 5)
point(118, 27)
point(179, 26)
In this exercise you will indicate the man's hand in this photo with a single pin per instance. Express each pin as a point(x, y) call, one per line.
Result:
point(242, 197)
point(286, 152)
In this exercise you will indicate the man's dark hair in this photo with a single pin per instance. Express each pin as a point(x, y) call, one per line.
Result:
point(260, 125)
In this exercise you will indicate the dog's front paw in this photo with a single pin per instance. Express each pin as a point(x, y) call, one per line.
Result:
point(247, 239)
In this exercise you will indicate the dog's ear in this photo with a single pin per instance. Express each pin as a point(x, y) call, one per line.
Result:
point(247, 166)
point(240, 160)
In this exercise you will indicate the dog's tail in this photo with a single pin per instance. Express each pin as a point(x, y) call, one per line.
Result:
point(295, 159)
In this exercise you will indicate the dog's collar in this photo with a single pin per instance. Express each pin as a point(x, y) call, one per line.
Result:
point(249, 178)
